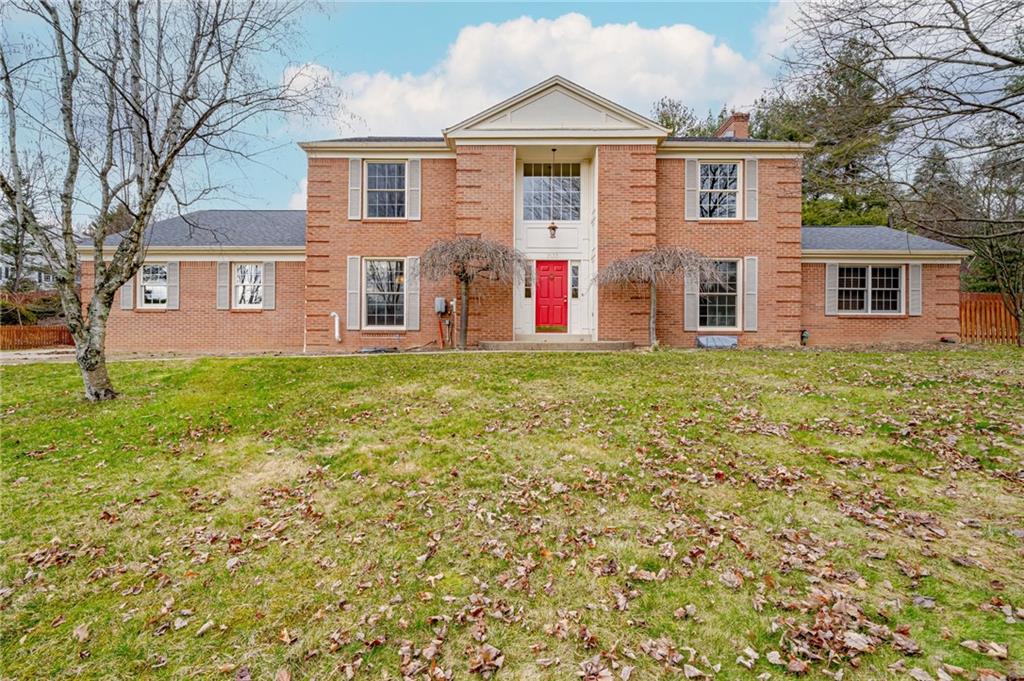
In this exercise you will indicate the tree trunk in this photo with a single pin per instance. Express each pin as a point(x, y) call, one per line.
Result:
point(463, 313)
point(91, 353)
point(652, 326)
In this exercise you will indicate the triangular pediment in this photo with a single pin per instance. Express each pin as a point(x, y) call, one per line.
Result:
point(556, 107)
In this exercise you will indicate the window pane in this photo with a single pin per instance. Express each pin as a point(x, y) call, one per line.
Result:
point(852, 294)
point(249, 284)
point(154, 295)
point(385, 292)
point(719, 295)
point(574, 281)
point(717, 204)
point(719, 175)
point(551, 191)
point(885, 289)
point(385, 190)
point(154, 274)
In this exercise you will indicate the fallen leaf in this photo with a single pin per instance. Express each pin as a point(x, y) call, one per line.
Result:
point(283, 674)
point(81, 633)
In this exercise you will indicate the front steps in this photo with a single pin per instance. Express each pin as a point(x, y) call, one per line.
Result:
point(561, 344)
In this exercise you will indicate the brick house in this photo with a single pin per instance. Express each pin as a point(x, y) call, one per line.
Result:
point(574, 182)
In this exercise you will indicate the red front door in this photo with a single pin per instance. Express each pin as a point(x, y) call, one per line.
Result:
point(552, 300)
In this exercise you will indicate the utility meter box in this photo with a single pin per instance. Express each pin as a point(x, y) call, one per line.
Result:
point(440, 305)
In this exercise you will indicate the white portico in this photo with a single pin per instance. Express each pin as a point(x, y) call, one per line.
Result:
point(557, 128)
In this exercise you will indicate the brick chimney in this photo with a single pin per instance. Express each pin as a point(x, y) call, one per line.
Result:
point(736, 125)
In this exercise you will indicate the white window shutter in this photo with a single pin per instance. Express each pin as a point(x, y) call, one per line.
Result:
point(173, 285)
point(223, 285)
point(412, 293)
point(413, 209)
point(352, 283)
point(269, 285)
point(355, 188)
point(128, 294)
point(750, 195)
point(750, 293)
point(831, 289)
point(691, 300)
point(692, 193)
point(915, 290)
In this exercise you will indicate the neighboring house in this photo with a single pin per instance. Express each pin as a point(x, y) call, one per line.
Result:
point(574, 182)
point(34, 270)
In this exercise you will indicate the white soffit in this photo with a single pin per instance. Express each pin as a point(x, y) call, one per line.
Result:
point(557, 108)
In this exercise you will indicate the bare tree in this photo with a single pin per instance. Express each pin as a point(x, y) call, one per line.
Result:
point(648, 269)
point(466, 258)
point(951, 71)
point(120, 100)
point(682, 121)
point(988, 186)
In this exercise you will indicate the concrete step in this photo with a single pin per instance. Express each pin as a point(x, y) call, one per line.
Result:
point(556, 345)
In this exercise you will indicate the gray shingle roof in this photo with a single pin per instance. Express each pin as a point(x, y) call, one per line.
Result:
point(868, 238)
point(705, 138)
point(229, 228)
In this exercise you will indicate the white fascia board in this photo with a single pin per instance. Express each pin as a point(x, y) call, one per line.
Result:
point(870, 257)
point(728, 152)
point(683, 149)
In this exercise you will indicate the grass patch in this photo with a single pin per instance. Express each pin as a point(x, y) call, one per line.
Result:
point(320, 513)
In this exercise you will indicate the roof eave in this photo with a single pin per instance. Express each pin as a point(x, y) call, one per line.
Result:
point(880, 253)
point(752, 145)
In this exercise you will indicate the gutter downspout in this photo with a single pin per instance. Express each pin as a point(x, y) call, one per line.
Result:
point(337, 327)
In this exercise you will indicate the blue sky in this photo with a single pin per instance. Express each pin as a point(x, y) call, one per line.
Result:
point(416, 68)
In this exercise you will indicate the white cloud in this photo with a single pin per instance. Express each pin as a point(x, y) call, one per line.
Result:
point(774, 31)
point(297, 201)
point(626, 63)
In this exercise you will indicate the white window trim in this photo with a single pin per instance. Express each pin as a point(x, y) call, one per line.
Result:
point(867, 292)
point(141, 285)
point(739, 217)
point(362, 296)
point(235, 305)
point(366, 189)
point(739, 300)
point(522, 194)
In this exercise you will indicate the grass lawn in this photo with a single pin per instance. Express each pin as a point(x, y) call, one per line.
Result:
point(546, 516)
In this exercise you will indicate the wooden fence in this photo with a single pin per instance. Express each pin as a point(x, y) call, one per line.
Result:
point(984, 319)
point(15, 337)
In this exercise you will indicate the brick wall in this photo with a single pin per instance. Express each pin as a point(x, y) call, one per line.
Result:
point(627, 195)
point(484, 206)
point(331, 237)
point(198, 326)
point(940, 312)
point(774, 238)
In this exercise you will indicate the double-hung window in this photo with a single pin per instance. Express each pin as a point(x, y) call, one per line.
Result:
point(551, 192)
point(719, 190)
point(385, 189)
point(870, 289)
point(247, 284)
point(719, 296)
point(153, 285)
point(384, 292)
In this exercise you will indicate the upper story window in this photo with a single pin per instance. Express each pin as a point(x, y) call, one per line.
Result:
point(153, 285)
point(384, 291)
point(248, 285)
point(870, 289)
point(719, 190)
point(719, 296)
point(551, 191)
point(385, 189)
